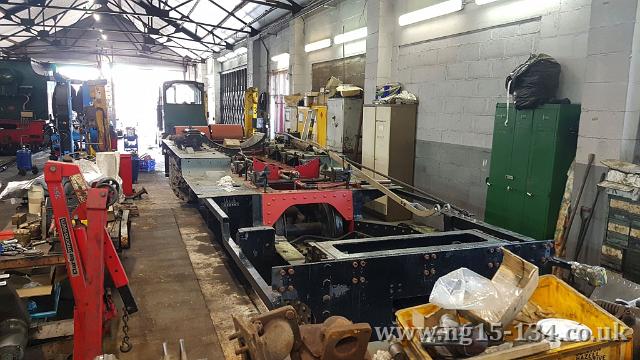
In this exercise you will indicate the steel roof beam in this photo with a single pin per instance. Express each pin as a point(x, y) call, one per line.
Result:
point(181, 28)
point(156, 12)
point(103, 49)
point(296, 7)
point(148, 27)
point(177, 26)
point(274, 3)
point(232, 14)
point(136, 41)
point(234, 10)
point(153, 9)
point(178, 60)
point(115, 31)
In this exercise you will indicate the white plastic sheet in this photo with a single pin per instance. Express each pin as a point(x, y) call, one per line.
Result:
point(463, 289)
point(18, 189)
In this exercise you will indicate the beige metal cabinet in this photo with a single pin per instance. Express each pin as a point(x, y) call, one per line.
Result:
point(388, 146)
point(291, 118)
point(344, 119)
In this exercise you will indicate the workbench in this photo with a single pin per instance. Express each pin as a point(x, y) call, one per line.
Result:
point(49, 258)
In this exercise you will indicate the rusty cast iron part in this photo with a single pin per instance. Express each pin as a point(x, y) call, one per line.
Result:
point(276, 335)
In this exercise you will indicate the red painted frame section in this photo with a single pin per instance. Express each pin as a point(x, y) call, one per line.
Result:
point(82, 245)
point(274, 170)
point(126, 174)
point(309, 170)
point(274, 205)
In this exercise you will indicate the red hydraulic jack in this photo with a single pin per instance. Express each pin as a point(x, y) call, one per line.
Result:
point(83, 246)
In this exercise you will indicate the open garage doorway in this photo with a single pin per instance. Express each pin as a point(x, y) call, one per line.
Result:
point(136, 91)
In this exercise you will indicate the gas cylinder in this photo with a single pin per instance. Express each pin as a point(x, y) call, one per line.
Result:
point(23, 161)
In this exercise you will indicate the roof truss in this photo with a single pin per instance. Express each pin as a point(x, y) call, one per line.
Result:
point(179, 27)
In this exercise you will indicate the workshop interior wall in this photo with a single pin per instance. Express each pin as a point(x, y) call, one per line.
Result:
point(456, 65)
point(460, 76)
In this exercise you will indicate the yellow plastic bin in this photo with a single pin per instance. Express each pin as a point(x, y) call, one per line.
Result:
point(556, 297)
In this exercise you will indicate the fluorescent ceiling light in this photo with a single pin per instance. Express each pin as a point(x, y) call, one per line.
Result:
point(430, 12)
point(96, 16)
point(482, 2)
point(280, 57)
point(351, 35)
point(281, 60)
point(240, 51)
point(322, 44)
point(355, 47)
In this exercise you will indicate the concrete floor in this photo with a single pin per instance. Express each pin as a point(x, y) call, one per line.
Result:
point(184, 284)
point(182, 280)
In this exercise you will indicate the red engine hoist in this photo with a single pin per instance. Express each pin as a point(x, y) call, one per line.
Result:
point(82, 245)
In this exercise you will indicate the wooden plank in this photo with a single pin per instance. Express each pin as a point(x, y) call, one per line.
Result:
point(415, 208)
point(231, 143)
point(517, 352)
point(21, 262)
point(114, 228)
point(289, 253)
point(52, 329)
point(44, 281)
point(41, 290)
point(51, 350)
point(114, 231)
point(18, 218)
point(124, 230)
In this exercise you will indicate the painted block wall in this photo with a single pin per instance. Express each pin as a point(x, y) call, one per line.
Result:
point(277, 43)
point(460, 76)
point(322, 24)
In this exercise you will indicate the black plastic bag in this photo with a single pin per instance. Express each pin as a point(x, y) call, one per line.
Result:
point(534, 82)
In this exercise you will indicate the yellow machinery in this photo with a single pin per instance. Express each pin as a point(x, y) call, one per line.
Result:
point(95, 110)
point(250, 110)
point(317, 113)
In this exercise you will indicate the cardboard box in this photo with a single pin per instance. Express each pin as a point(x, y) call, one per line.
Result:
point(292, 100)
point(322, 99)
point(520, 278)
point(234, 143)
point(18, 219)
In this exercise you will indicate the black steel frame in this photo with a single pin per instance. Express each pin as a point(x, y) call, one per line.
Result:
point(368, 286)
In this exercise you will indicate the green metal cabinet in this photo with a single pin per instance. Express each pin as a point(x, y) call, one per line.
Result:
point(531, 153)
